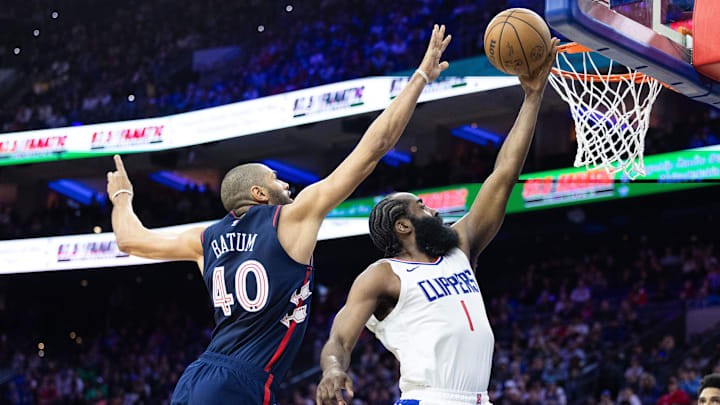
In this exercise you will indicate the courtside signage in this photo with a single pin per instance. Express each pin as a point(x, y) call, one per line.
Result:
point(228, 121)
point(555, 188)
point(328, 101)
point(671, 172)
point(34, 145)
point(665, 172)
point(127, 136)
point(100, 250)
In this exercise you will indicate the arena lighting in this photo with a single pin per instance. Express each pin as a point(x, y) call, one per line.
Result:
point(16, 51)
point(290, 173)
point(289, 8)
point(36, 33)
point(395, 158)
point(261, 28)
point(476, 135)
point(176, 181)
point(77, 191)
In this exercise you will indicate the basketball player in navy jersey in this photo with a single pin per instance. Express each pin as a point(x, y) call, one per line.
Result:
point(257, 261)
point(423, 300)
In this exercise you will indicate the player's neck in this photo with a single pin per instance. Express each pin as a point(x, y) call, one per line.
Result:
point(413, 254)
point(243, 209)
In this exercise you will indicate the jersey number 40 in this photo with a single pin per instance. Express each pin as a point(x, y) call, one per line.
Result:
point(221, 299)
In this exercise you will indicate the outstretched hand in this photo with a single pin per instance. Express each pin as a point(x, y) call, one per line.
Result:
point(329, 391)
point(118, 179)
point(431, 64)
point(535, 83)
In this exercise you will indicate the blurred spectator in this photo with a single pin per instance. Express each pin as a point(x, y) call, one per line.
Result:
point(675, 395)
point(581, 293)
point(628, 397)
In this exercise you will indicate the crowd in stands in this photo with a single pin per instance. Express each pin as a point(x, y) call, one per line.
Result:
point(86, 62)
point(573, 324)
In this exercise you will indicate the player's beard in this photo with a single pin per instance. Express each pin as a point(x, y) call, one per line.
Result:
point(281, 197)
point(434, 238)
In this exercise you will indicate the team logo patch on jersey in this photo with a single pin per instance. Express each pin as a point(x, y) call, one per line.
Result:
point(479, 399)
point(301, 295)
point(235, 222)
point(300, 312)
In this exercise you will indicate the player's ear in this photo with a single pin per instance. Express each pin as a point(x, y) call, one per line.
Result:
point(259, 194)
point(403, 226)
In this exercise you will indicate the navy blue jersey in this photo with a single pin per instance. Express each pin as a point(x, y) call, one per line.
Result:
point(261, 295)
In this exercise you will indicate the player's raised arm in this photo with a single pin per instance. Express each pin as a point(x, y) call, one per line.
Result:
point(133, 238)
point(375, 282)
point(320, 198)
point(478, 227)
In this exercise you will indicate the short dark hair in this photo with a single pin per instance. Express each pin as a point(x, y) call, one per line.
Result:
point(709, 381)
point(382, 224)
point(236, 185)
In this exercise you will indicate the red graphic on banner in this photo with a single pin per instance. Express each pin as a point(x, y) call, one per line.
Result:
point(34, 145)
point(127, 136)
point(445, 201)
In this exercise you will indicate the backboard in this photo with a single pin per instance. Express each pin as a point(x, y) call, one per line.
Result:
point(651, 36)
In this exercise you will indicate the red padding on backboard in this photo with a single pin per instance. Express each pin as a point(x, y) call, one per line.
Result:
point(706, 35)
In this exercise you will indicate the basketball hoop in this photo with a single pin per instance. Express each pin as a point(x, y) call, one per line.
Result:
point(611, 111)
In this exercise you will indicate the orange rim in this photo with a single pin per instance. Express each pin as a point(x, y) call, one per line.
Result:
point(639, 77)
point(574, 47)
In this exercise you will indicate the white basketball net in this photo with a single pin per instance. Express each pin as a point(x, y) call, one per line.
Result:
point(611, 114)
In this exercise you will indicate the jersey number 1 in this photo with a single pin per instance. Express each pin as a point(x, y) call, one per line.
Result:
point(221, 299)
point(468, 315)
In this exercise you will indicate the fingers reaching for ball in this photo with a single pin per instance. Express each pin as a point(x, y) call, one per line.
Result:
point(536, 81)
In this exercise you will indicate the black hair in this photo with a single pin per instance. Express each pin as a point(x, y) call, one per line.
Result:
point(709, 381)
point(382, 224)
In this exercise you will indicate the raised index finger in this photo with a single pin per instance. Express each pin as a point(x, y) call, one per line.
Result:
point(119, 164)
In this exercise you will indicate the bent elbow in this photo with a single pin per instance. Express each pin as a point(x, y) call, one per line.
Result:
point(126, 246)
point(123, 246)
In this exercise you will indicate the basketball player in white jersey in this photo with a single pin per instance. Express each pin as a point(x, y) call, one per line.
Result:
point(423, 301)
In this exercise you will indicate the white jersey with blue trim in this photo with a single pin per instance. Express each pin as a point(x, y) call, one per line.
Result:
point(439, 330)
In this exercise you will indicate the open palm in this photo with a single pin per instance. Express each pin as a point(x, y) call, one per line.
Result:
point(536, 82)
point(431, 64)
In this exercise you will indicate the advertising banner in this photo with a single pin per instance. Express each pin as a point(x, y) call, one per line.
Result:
point(100, 250)
point(228, 121)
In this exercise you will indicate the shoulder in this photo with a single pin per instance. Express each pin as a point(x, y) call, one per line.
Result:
point(378, 277)
point(380, 268)
point(457, 253)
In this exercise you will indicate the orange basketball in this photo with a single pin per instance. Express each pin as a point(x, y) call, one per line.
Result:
point(517, 41)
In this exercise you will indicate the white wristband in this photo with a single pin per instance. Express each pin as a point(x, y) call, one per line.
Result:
point(115, 194)
point(424, 76)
